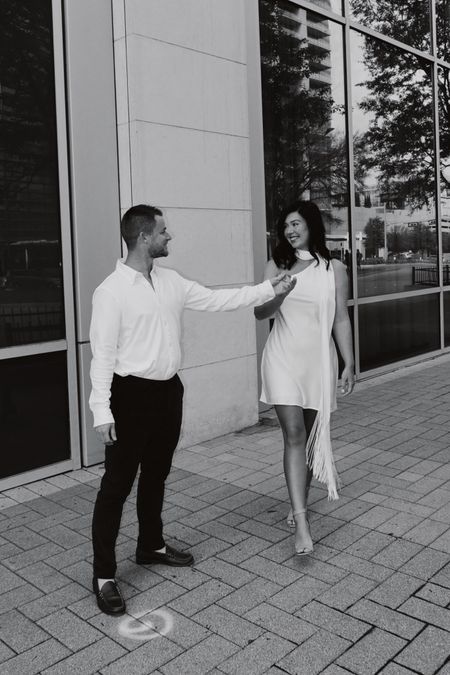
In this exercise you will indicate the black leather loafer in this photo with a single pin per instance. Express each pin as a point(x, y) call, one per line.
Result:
point(170, 557)
point(109, 598)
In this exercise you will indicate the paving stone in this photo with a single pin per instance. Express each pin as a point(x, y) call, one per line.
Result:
point(426, 532)
point(281, 623)
point(347, 591)
point(154, 597)
point(88, 660)
point(369, 545)
point(263, 531)
point(270, 570)
point(372, 652)
point(24, 537)
point(208, 548)
point(443, 576)
point(18, 596)
point(312, 656)
point(187, 577)
point(64, 536)
point(9, 580)
point(246, 598)
point(187, 632)
point(36, 659)
point(44, 577)
point(374, 517)
point(19, 633)
point(224, 571)
point(364, 568)
point(397, 554)
point(317, 568)
point(442, 543)
point(427, 652)
point(436, 594)
point(228, 625)
point(69, 629)
point(257, 657)
point(427, 612)
point(52, 602)
point(395, 590)
point(16, 562)
point(395, 669)
point(202, 658)
point(425, 564)
point(386, 619)
point(333, 621)
point(298, 594)
point(193, 601)
point(242, 551)
point(400, 524)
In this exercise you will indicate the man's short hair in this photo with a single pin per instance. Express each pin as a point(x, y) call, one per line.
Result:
point(140, 218)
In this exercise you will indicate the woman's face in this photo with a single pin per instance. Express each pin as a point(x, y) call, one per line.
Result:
point(296, 231)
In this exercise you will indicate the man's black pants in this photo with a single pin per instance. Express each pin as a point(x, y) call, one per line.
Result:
point(148, 417)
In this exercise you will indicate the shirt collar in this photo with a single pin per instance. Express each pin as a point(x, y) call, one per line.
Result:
point(129, 273)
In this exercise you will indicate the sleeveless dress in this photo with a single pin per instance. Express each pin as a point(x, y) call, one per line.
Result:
point(299, 364)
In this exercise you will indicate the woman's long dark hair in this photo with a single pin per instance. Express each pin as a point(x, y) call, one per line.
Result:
point(283, 253)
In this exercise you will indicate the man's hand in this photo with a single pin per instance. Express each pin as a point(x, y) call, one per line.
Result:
point(347, 381)
point(283, 283)
point(107, 433)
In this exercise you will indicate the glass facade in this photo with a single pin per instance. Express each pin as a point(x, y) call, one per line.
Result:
point(31, 290)
point(34, 405)
point(355, 105)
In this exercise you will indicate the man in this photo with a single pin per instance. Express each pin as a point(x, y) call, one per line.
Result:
point(136, 396)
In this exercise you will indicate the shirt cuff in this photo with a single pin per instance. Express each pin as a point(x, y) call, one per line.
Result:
point(268, 288)
point(102, 415)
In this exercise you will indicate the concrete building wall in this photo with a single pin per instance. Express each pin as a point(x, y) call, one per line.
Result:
point(183, 132)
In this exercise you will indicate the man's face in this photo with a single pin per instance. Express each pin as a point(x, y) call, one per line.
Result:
point(159, 239)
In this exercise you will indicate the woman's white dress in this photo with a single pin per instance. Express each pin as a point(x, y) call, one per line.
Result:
point(296, 368)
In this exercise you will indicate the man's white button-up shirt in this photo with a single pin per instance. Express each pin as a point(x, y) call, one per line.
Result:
point(136, 328)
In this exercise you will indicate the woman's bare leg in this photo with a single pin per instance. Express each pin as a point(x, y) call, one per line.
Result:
point(292, 424)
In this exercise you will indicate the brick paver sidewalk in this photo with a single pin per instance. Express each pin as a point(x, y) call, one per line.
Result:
point(374, 597)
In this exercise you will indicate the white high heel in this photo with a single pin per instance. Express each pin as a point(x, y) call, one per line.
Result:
point(303, 551)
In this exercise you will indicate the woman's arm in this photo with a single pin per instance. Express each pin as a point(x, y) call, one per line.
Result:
point(269, 308)
point(342, 329)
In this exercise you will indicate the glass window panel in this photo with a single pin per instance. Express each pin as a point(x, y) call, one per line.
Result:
point(404, 20)
point(330, 5)
point(393, 330)
point(305, 152)
point(447, 319)
point(395, 220)
point(444, 142)
point(31, 293)
point(443, 29)
point(34, 417)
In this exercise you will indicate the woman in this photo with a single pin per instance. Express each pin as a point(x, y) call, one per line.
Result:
point(299, 364)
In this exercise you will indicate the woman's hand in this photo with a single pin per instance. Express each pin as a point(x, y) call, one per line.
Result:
point(347, 380)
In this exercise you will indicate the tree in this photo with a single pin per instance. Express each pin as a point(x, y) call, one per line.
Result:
point(374, 231)
point(399, 144)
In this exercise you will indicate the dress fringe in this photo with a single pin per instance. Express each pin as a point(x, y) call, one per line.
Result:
point(319, 457)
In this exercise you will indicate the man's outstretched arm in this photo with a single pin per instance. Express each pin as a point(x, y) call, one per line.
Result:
point(200, 298)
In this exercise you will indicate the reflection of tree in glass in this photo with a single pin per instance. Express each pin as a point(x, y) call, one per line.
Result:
point(418, 237)
point(398, 144)
point(27, 106)
point(374, 231)
point(443, 28)
point(303, 154)
point(444, 124)
point(405, 20)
